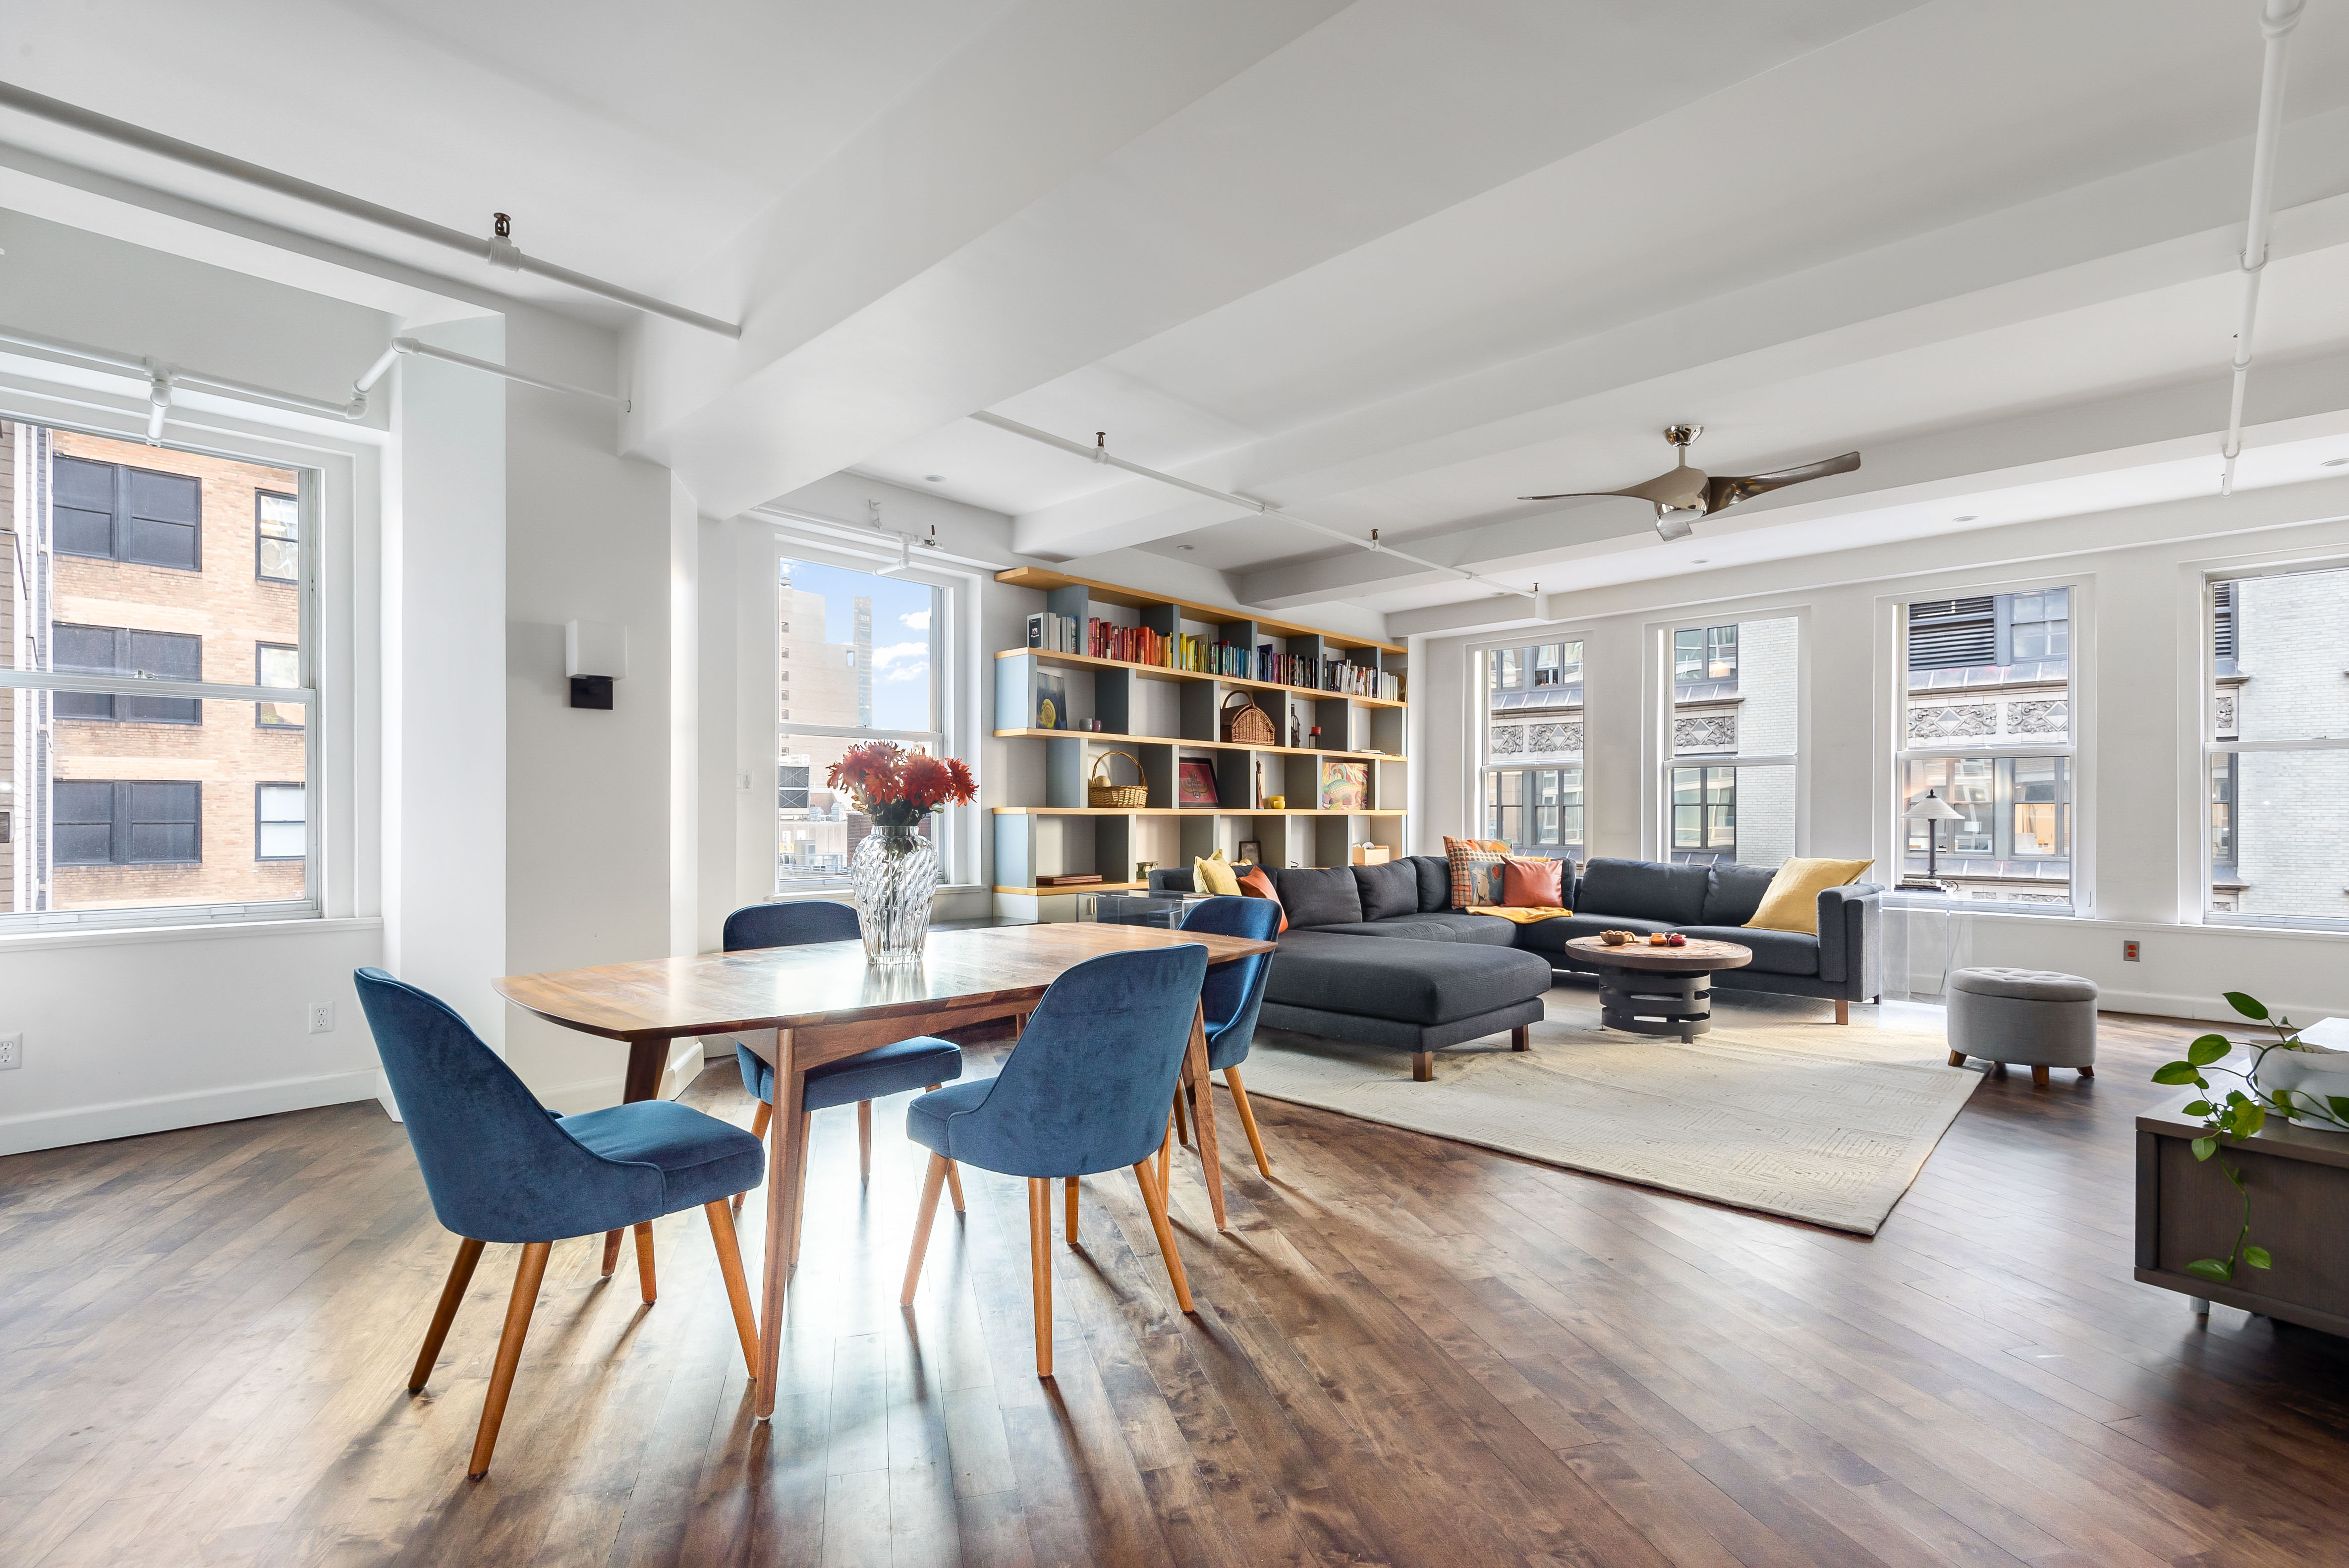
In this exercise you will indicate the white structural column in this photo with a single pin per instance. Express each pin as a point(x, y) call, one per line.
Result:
point(444, 633)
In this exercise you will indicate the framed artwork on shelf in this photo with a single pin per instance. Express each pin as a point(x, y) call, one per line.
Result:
point(1251, 852)
point(1051, 700)
point(1345, 786)
point(1196, 783)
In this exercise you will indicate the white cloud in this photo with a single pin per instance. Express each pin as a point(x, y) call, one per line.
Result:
point(917, 620)
point(913, 672)
point(890, 653)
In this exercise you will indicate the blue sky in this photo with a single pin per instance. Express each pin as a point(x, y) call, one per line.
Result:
point(901, 636)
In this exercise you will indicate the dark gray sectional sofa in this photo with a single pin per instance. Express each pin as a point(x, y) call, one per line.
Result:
point(1377, 954)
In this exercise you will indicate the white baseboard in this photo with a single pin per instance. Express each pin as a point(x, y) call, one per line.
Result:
point(165, 1112)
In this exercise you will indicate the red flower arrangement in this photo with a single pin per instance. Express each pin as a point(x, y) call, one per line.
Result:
point(897, 788)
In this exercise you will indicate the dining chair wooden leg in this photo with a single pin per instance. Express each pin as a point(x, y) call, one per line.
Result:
point(527, 1278)
point(1069, 1226)
point(1154, 1198)
point(865, 1141)
point(460, 1274)
point(738, 1286)
point(759, 1119)
point(1040, 1267)
point(954, 1184)
point(645, 1261)
point(1248, 1118)
point(1166, 1151)
point(612, 1250)
point(1182, 1122)
point(923, 1218)
point(799, 1191)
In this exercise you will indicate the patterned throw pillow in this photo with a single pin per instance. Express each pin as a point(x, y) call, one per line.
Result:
point(1476, 871)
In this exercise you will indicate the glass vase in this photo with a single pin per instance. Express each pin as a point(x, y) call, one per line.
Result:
point(892, 878)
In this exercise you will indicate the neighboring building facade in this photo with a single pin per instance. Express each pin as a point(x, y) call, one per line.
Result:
point(133, 561)
point(822, 682)
point(2281, 667)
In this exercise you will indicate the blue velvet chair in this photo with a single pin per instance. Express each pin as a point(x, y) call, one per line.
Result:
point(1082, 1093)
point(1233, 997)
point(922, 1062)
point(501, 1167)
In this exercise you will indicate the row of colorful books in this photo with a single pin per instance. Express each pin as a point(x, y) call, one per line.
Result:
point(1051, 634)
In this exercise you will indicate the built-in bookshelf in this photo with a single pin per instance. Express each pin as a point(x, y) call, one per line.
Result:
point(1164, 715)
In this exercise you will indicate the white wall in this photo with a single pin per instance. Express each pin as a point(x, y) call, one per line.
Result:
point(2136, 673)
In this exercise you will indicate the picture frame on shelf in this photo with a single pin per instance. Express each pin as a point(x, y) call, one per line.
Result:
point(1345, 786)
point(1196, 783)
point(1251, 851)
point(1051, 700)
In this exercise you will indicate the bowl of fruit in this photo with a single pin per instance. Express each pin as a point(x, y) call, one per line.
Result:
point(1615, 938)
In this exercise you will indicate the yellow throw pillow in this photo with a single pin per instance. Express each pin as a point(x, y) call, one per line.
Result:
point(1212, 873)
point(1792, 902)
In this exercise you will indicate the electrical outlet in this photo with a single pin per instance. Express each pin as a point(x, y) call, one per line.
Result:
point(322, 1017)
point(2128, 952)
point(741, 781)
point(12, 1051)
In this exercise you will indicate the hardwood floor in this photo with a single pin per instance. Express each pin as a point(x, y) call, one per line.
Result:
point(1406, 1352)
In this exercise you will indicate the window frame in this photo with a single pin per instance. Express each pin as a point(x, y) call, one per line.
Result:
point(121, 820)
point(1486, 663)
point(1661, 760)
point(259, 785)
point(258, 537)
point(2078, 746)
point(247, 440)
point(2207, 661)
point(957, 665)
point(258, 649)
point(121, 518)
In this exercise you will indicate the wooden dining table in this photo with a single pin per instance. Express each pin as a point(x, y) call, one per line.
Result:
point(799, 1007)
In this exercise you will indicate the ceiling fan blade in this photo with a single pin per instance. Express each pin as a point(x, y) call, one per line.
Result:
point(1728, 489)
point(1571, 495)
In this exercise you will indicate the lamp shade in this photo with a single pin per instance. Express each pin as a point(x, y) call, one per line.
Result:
point(1933, 808)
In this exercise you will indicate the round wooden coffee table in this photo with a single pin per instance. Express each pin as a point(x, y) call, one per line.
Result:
point(1658, 990)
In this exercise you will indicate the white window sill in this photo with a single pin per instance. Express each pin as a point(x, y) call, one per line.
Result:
point(214, 931)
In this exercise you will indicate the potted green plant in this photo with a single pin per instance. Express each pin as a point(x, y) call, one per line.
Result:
point(2239, 1113)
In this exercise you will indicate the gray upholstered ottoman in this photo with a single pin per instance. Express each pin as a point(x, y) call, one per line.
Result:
point(2028, 1015)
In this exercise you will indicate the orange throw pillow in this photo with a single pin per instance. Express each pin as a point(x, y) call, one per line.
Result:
point(1532, 885)
point(1253, 883)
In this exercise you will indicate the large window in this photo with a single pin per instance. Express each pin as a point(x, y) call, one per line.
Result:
point(1987, 727)
point(2276, 749)
point(1529, 773)
point(134, 632)
point(859, 657)
point(1730, 779)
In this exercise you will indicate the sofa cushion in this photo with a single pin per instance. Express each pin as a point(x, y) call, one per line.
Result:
point(1552, 935)
point(1330, 897)
point(1644, 890)
point(1735, 893)
point(1443, 982)
point(1486, 930)
point(1774, 952)
point(1434, 881)
point(1418, 927)
point(1388, 890)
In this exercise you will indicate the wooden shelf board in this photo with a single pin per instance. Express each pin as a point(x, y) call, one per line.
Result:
point(1161, 673)
point(1177, 811)
point(1115, 593)
point(1104, 737)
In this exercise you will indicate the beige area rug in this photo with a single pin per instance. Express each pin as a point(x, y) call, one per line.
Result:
point(1802, 1119)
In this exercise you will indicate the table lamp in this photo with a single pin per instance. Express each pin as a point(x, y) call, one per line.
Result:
point(1932, 810)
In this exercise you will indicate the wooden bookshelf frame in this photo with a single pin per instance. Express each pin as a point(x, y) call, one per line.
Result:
point(1062, 833)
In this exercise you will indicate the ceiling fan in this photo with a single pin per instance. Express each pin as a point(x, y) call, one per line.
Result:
point(1682, 494)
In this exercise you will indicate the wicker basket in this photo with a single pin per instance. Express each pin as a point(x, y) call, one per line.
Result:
point(1248, 725)
point(1100, 791)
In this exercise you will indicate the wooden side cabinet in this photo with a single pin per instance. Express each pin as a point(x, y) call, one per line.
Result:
point(2186, 1209)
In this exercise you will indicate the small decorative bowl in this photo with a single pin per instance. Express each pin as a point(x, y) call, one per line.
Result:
point(1614, 938)
point(1656, 939)
point(1674, 939)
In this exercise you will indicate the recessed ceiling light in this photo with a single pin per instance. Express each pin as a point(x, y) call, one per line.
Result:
point(2333, 463)
point(933, 478)
point(1970, 517)
point(1187, 547)
point(1698, 559)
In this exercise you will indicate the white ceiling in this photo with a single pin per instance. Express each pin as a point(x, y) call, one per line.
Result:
point(1388, 264)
